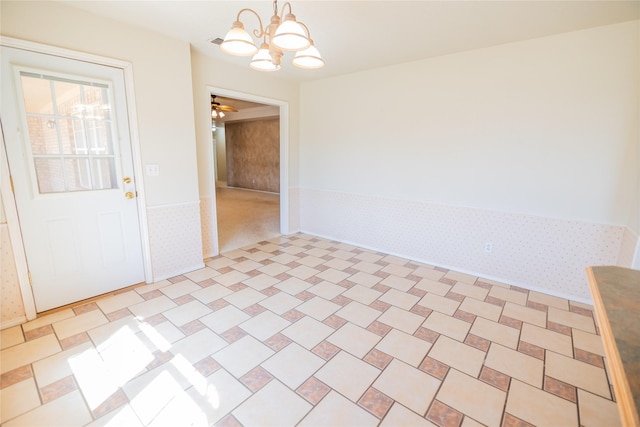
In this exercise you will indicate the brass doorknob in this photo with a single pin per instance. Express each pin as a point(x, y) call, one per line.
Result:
point(129, 195)
point(126, 180)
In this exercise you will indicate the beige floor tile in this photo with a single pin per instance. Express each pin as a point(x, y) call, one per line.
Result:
point(462, 392)
point(293, 286)
point(470, 422)
point(401, 319)
point(152, 307)
point(399, 299)
point(67, 410)
point(433, 286)
point(246, 266)
point(261, 282)
point(265, 325)
point(310, 261)
point(293, 365)
point(596, 411)
point(318, 308)
point(365, 279)
point(308, 332)
point(220, 262)
point(429, 273)
point(326, 290)
point(119, 301)
point(547, 339)
point(549, 300)
point(333, 275)
point(354, 339)
point(243, 355)
point(461, 277)
point(231, 278)
point(48, 319)
point(369, 256)
point(123, 416)
point(415, 391)
point(508, 295)
point(405, 347)
point(526, 314)
point(447, 325)
point(470, 291)
point(398, 415)
point(397, 270)
point(399, 283)
point(496, 332)
point(244, 298)
point(224, 319)
point(18, 398)
point(57, 366)
point(274, 268)
point(581, 305)
point(343, 254)
point(392, 259)
point(457, 355)
point(28, 352)
point(367, 267)
point(303, 272)
point(335, 410)
point(438, 303)
point(202, 274)
point(159, 337)
point(362, 294)
point(211, 293)
point(10, 337)
point(265, 407)
point(515, 364)
point(574, 320)
point(81, 323)
point(102, 334)
point(178, 289)
point(481, 308)
point(197, 346)
point(577, 373)
point(281, 302)
point(186, 313)
point(361, 375)
point(359, 314)
point(338, 264)
point(589, 342)
point(540, 408)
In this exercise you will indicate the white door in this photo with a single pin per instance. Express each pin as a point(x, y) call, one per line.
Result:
point(69, 152)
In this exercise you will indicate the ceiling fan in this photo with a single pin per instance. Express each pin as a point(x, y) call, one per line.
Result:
point(217, 110)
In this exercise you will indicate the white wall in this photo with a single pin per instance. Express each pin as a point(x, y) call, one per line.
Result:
point(162, 80)
point(545, 129)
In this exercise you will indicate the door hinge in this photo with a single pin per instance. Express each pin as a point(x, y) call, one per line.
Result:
point(29, 276)
point(13, 190)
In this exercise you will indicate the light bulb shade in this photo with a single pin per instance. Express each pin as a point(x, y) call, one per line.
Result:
point(238, 42)
point(308, 58)
point(262, 61)
point(290, 35)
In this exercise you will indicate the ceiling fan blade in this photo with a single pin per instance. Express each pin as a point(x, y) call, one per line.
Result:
point(227, 108)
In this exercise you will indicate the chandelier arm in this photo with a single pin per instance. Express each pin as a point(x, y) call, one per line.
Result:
point(305, 28)
point(283, 6)
point(256, 33)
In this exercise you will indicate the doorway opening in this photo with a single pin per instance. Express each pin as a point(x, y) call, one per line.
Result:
point(247, 147)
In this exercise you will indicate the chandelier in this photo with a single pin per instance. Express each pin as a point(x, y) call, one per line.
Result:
point(281, 35)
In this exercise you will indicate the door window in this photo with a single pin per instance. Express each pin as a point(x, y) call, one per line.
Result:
point(71, 133)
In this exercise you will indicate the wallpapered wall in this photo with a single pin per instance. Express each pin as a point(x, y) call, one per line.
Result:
point(253, 155)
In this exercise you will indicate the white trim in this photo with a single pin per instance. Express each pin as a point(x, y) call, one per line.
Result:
point(284, 153)
point(13, 322)
point(15, 233)
point(171, 205)
point(127, 69)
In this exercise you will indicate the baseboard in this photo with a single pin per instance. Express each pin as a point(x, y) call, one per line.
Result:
point(13, 322)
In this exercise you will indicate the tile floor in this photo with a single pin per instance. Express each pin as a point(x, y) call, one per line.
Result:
point(303, 331)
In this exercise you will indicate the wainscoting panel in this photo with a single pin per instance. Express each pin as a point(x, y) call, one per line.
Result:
point(628, 248)
point(545, 254)
point(175, 239)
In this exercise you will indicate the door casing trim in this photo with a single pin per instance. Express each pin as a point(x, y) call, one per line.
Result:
point(5, 186)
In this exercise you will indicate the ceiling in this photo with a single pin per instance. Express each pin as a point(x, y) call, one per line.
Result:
point(358, 35)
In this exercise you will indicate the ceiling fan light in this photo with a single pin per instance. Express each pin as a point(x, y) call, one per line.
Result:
point(290, 35)
point(262, 61)
point(308, 59)
point(238, 42)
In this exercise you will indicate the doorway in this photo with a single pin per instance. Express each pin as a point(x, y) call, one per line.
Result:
point(246, 140)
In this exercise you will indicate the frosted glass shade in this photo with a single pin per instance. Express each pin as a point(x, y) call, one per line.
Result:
point(308, 58)
point(238, 42)
point(290, 35)
point(262, 60)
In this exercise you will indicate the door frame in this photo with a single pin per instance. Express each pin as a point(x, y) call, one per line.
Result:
point(5, 185)
point(284, 157)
